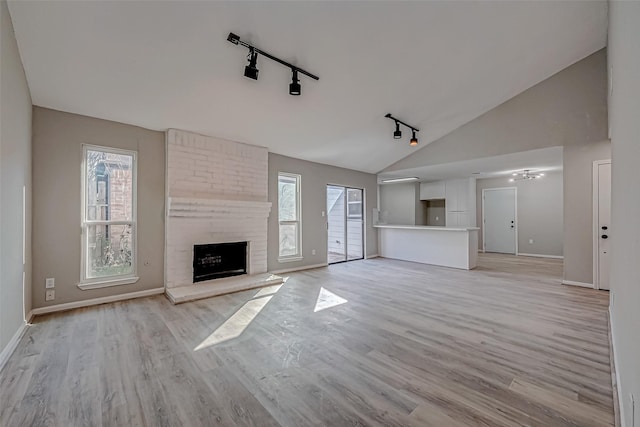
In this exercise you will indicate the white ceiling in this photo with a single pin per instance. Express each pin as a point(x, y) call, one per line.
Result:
point(540, 160)
point(436, 65)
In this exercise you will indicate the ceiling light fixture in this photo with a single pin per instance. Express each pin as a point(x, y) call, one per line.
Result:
point(409, 178)
point(251, 71)
point(525, 175)
point(397, 134)
point(294, 87)
point(414, 140)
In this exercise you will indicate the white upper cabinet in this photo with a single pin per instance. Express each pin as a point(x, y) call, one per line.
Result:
point(460, 202)
point(432, 190)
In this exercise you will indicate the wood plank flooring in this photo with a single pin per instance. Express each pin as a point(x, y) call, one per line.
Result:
point(388, 343)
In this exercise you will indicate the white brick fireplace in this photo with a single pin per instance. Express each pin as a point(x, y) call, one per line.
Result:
point(217, 193)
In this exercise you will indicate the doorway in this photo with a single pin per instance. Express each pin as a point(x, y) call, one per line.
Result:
point(499, 226)
point(345, 225)
point(601, 222)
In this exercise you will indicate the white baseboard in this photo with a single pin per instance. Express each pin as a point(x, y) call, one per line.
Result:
point(616, 366)
point(8, 350)
point(372, 256)
point(541, 256)
point(96, 301)
point(304, 267)
point(581, 284)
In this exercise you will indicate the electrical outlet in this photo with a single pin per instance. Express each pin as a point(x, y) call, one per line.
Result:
point(50, 295)
point(313, 251)
point(531, 241)
point(322, 214)
point(49, 283)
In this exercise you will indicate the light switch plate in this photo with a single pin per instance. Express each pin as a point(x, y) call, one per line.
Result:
point(50, 282)
point(50, 295)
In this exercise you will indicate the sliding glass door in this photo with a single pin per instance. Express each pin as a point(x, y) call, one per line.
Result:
point(345, 224)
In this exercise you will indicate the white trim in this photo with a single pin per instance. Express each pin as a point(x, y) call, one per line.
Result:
point(97, 301)
point(515, 207)
point(86, 282)
point(595, 220)
point(574, 283)
point(372, 256)
point(11, 346)
point(166, 208)
point(290, 259)
point(541, 255)
point(304, 267)
point(617, 370)
point(108, 283)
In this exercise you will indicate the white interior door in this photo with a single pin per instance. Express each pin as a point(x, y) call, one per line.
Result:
point(499, 220)
point(602, 221)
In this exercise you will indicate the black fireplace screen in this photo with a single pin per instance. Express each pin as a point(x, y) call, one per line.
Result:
point(217, 260)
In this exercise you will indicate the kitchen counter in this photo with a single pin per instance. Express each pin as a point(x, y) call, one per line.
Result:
point(455, 247)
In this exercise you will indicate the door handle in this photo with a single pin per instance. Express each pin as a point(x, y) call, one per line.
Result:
point(604, 227)
point(604, 236)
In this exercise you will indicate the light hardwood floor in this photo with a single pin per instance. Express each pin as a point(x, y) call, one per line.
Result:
point(387, 343)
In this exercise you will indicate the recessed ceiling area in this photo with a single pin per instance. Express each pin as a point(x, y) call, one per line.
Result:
point(437, 65)
point(541, 160)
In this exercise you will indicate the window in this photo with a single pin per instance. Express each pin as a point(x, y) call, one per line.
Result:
point(108, 217)
point(289, 217)
point(354, 203)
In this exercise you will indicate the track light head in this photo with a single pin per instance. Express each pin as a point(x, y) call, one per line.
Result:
point(233, 38)
point(414, 140)
point(397, 134)
point(251, 71)
point(294, 87)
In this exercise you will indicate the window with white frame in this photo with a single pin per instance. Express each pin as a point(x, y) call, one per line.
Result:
point(108, 217)
point(290, 247)
point(354, 203)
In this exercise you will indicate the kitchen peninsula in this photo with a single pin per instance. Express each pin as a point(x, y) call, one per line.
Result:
point(455, 247)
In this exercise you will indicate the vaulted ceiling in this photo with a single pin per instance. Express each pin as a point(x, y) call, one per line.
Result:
point(436, 65)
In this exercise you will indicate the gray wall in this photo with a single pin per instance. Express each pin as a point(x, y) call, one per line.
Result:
point(540, 212)
point(569, 108)
point(624, 65)
point(398, 203)
point(578, 208)
point(15, 174)
point(315, 177)
point(57, 157)
point(436, 214)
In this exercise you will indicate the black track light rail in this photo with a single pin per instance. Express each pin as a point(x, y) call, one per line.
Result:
point(402, 123)
point(236, 40)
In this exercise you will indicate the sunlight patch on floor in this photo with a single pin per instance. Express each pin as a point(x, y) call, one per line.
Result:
point(236, 324)
point(327, 299)
point(268, 290)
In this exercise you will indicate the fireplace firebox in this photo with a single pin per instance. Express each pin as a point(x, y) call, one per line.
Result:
point(217, 260)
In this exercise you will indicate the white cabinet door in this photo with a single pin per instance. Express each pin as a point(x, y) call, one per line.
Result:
point(463, 195)
point(452, 219)
point(451, 189)
point(463, 219)
point(432, 190)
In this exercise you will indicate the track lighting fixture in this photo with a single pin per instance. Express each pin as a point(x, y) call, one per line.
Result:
point(251, 70)
point(397, 134)
point(414, 140)
point(294, 87)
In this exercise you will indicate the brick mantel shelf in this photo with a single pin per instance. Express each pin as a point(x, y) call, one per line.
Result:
point(209, 208)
